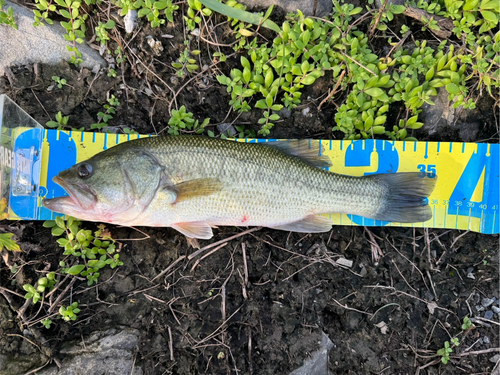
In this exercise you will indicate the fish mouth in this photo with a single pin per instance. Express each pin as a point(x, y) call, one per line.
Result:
point(80, 197)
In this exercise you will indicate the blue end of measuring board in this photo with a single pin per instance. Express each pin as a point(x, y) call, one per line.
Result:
point(484, 161)
point(25, 175)
point(62, 156)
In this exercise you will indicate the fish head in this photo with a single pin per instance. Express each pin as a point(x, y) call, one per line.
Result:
point(109, 187)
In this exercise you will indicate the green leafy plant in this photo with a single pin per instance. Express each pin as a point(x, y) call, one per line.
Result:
point(473, 21)
point(194, 13)
point(306, 49)
point(183, 121)
point(8, 243)
point(61, 122)
point(155, 11)
point(59, 81)
point(467, 324)
point(46, 323)
point(385, 14)
point(33, 293)
point(447, 350)
point(185, 62)
point(43, 283)
point(74, 23)
point(104, 117)
point(101, 31)
point(96, 249)
point(7, 15)
point(70, 312)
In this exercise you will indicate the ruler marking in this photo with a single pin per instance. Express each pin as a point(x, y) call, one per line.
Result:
point(451, 147)
point(404, 146)
point(439, 146)
point(445, 214)
point(456, 217)
point(470, 213)
point(426, 155)
point(463, 147)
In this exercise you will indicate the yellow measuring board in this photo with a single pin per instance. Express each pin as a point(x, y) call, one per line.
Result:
point(465, 197)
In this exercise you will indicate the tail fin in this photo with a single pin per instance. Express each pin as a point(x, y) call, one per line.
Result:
point(405, 199)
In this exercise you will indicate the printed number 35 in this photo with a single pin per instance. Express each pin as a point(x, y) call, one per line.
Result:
point(430, 169)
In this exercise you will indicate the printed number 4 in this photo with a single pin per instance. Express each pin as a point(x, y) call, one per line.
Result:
point(430, 169)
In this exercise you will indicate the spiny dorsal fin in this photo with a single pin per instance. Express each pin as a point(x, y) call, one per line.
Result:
point(193, 188)
point(309, 151)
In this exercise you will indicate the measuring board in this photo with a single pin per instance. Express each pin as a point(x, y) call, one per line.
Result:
point(466, 194)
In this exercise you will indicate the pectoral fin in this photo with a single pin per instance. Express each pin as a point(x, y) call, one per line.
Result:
point(310, 224)
point(192, 189)
point(195, 229)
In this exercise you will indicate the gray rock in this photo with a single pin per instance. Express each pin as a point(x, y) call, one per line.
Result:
point(318, 363)
point(479, 308)
point(495, 309)
point(488, 314)
point(227, 129)
point(486, 302)
point(495, 358)
point(43, 44)
point(442, 117)
point(109, 352)
point(486, 340)
point(320, 8)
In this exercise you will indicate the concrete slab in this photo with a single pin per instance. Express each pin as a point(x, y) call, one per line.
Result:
point(43, 44)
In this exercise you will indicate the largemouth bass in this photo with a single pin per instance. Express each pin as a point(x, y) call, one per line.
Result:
point(194, 183)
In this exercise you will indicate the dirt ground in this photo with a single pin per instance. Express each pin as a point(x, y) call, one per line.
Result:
point(255, 304)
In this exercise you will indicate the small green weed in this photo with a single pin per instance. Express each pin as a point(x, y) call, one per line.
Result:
point(70, 312)
point(8, 243)
point(59, 81)
point(46, 323)
point(155, 11)
point(74, 23)
point(447, 350)
point(185, 62)
point(44, 283)
point(101, 31)
point(467, 324)
point(104, 117)
point(61, 122)
point(7, 15)
point(182, 121)
point(86, 253)
point(96, 249)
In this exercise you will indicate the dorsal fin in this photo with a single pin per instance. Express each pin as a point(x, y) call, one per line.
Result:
point(310, 151)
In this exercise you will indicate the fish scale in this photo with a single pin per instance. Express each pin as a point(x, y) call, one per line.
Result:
point(193, 183)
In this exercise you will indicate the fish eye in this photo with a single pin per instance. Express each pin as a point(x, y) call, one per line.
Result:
point(84, 170)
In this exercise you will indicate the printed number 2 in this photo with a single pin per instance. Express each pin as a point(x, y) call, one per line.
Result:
point(431, 169)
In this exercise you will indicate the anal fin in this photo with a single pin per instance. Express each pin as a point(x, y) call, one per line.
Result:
point(310, 224)
point(195, 229)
